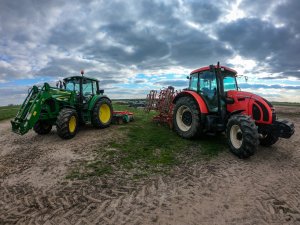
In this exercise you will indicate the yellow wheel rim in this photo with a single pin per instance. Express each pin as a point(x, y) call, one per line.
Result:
point(72, 124)
point(104, 113)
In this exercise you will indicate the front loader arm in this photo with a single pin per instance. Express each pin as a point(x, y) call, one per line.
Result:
point(30, 110)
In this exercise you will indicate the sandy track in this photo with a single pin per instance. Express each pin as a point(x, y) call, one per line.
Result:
point(262, 190)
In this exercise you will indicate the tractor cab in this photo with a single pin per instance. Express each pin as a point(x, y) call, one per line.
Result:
point(212, 83)
point(84, 87)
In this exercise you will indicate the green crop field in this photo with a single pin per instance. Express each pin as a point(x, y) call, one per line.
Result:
point(7, 112)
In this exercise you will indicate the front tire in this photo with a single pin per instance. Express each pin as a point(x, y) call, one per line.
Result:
point(102, 113)
point(42, 127)
point(268, 140)
point(242, 136)
point(186, 118)
point(67, 123)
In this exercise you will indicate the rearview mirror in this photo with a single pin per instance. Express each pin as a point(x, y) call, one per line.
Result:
point(100, 92)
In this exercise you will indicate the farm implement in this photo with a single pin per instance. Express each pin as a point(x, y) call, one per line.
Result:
point(213, 103)
point(78, 101)
point(120, 117)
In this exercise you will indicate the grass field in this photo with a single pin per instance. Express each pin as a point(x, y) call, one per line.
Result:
point(286, 104)
point(7, 112)
point(148, 148)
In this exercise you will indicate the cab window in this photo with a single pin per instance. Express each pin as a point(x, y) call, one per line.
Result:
point(229, 83)
point(87, 87)
point(208, 83)
point(208, 89)
point(194, 82)
point(94, 87)
point(73, 85)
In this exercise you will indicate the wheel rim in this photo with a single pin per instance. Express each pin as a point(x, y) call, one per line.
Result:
point(236, 136)
point(72, 124)
point(104, 113)
point(184, 118)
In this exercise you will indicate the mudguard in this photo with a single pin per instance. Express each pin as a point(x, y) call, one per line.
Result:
point(194, 95)
point(95, 99)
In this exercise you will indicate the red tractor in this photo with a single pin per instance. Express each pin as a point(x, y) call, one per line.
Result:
point(213, 103)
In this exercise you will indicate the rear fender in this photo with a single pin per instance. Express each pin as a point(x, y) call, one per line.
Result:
point(95, 99)
point(196, 96)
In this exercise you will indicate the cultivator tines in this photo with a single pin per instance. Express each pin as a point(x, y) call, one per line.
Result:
point(151, 101)
point(162, 103)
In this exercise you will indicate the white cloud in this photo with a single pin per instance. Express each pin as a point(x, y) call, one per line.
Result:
point(116, 40)
point(234, 13)
point(241, 65)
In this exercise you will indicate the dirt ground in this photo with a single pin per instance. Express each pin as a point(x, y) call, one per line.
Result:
point(264, 189)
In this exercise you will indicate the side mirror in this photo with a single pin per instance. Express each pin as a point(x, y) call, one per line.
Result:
point(229, 100)
point(188, 77)
point(100, 92)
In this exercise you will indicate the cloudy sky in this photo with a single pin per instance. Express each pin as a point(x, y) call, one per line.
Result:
point(135, 46)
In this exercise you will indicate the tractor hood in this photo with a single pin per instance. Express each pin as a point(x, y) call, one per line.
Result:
point(260, 109)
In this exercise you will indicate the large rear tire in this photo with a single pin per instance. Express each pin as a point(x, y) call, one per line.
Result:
point(242, 135)
point(268, 140)
point(67, 123)
point(102, 113)
point(186, 118)
point(42, 127)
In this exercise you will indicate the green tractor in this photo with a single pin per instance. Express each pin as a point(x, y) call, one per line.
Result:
point(75, 101)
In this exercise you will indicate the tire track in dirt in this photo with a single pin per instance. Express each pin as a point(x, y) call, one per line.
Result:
point(158, 201)
point(261, 190)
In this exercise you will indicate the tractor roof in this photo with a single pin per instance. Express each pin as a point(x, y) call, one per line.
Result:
point(80, 77)
point(207, 68)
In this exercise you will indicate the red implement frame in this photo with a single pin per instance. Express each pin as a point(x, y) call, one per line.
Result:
point(162, 103)
point(151, 101)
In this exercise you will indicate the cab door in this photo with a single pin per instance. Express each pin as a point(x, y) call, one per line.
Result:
point(88, 91)
point(208, 89)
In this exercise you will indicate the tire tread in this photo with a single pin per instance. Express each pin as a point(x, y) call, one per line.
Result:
point(62, 123)
point(196, 129)
point(250, 135)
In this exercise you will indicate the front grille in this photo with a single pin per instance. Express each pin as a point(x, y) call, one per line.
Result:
point(264, 110)
point(256, 112)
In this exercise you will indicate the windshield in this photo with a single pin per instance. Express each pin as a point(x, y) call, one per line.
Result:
point(73, 85)
point(229, 83)
point(87, 87)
